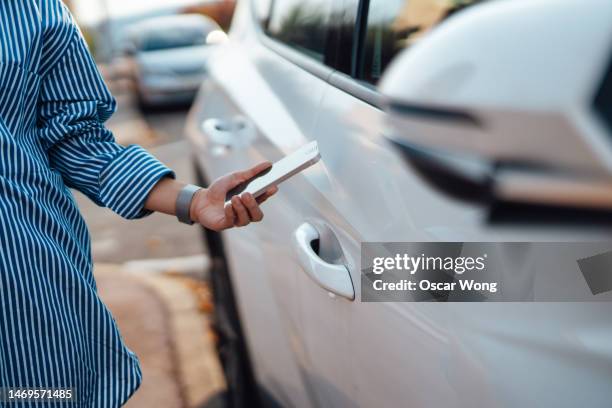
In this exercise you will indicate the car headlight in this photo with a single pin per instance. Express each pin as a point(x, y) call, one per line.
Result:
point(216, 37)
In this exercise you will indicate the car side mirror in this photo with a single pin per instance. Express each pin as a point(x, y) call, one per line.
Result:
point(510, 101)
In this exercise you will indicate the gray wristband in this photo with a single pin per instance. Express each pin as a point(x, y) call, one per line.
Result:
point(183, 203)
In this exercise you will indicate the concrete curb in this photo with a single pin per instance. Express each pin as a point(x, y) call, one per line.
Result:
point(196, 266)
point(201, 375)
point(185, 320)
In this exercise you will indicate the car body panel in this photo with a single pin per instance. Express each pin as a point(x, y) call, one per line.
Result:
point(311, 348)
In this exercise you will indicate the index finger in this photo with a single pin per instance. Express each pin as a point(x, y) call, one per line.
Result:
point(226, 183)
point(255, 170)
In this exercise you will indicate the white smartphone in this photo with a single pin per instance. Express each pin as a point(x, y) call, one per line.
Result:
point(280, 171)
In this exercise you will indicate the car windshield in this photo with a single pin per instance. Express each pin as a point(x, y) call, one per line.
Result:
point(172, 38)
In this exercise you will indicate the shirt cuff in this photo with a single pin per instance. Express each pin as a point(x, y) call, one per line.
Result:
point(127, 180)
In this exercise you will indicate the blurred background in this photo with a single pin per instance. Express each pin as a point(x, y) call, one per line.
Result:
point(152, 273)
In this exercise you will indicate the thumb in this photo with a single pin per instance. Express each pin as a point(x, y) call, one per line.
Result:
point(226, 183)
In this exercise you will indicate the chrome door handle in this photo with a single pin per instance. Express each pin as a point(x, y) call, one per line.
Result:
point(233, 132)
point(334, 278)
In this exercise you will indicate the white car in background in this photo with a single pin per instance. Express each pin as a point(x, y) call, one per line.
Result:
point(169, 57)
point(437, 120)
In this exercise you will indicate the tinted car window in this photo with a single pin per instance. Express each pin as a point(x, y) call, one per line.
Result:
point(321, 29)
point(603, 100)
point(302, 25)
point(393, 25)
point(175, 38)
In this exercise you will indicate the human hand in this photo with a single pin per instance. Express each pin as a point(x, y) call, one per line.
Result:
point(208, 205)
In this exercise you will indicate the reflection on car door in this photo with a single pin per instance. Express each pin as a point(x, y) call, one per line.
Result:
point(367, 195)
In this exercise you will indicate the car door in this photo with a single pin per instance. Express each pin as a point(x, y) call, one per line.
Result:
point(364, 193)
point(311, 38)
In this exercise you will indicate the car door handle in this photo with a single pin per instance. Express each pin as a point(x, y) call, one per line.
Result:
point(334, 278)
point(232, 132)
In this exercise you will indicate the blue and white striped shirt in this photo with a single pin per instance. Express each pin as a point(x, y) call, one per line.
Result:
point(54, 330)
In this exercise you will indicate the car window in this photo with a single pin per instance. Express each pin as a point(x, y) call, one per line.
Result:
point(603, 99)
point(393, 25)
point(302, 24)
point(175, 38)
point(321, 29)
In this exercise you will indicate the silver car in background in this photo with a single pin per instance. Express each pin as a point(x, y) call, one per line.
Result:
point(437, 120)
point(169, 57)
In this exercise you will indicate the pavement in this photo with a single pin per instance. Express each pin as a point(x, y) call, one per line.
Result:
point(165, 320)
point(152, 274)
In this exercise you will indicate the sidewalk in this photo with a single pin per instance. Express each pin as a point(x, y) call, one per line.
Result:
point(165, 320)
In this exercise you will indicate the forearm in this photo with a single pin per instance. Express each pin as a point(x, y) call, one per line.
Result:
point(163, 196)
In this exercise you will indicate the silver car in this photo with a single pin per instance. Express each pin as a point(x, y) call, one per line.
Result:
point(169, 56)
point(437, 120)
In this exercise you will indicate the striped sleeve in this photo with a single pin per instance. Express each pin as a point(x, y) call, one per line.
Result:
point(74, 104)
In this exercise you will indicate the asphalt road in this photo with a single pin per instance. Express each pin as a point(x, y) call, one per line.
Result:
point(167, 123)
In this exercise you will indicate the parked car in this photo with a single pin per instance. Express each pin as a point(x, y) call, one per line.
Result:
point(474, 89)
point(169, 56)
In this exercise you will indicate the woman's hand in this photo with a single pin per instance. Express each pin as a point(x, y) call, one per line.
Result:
point(208, 205)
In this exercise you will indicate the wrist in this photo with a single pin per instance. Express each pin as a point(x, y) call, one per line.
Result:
point(193, 207)
point(184, 203)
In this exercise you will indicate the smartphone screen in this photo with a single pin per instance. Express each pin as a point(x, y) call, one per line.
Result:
point(239, 189)
point(280, 171)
